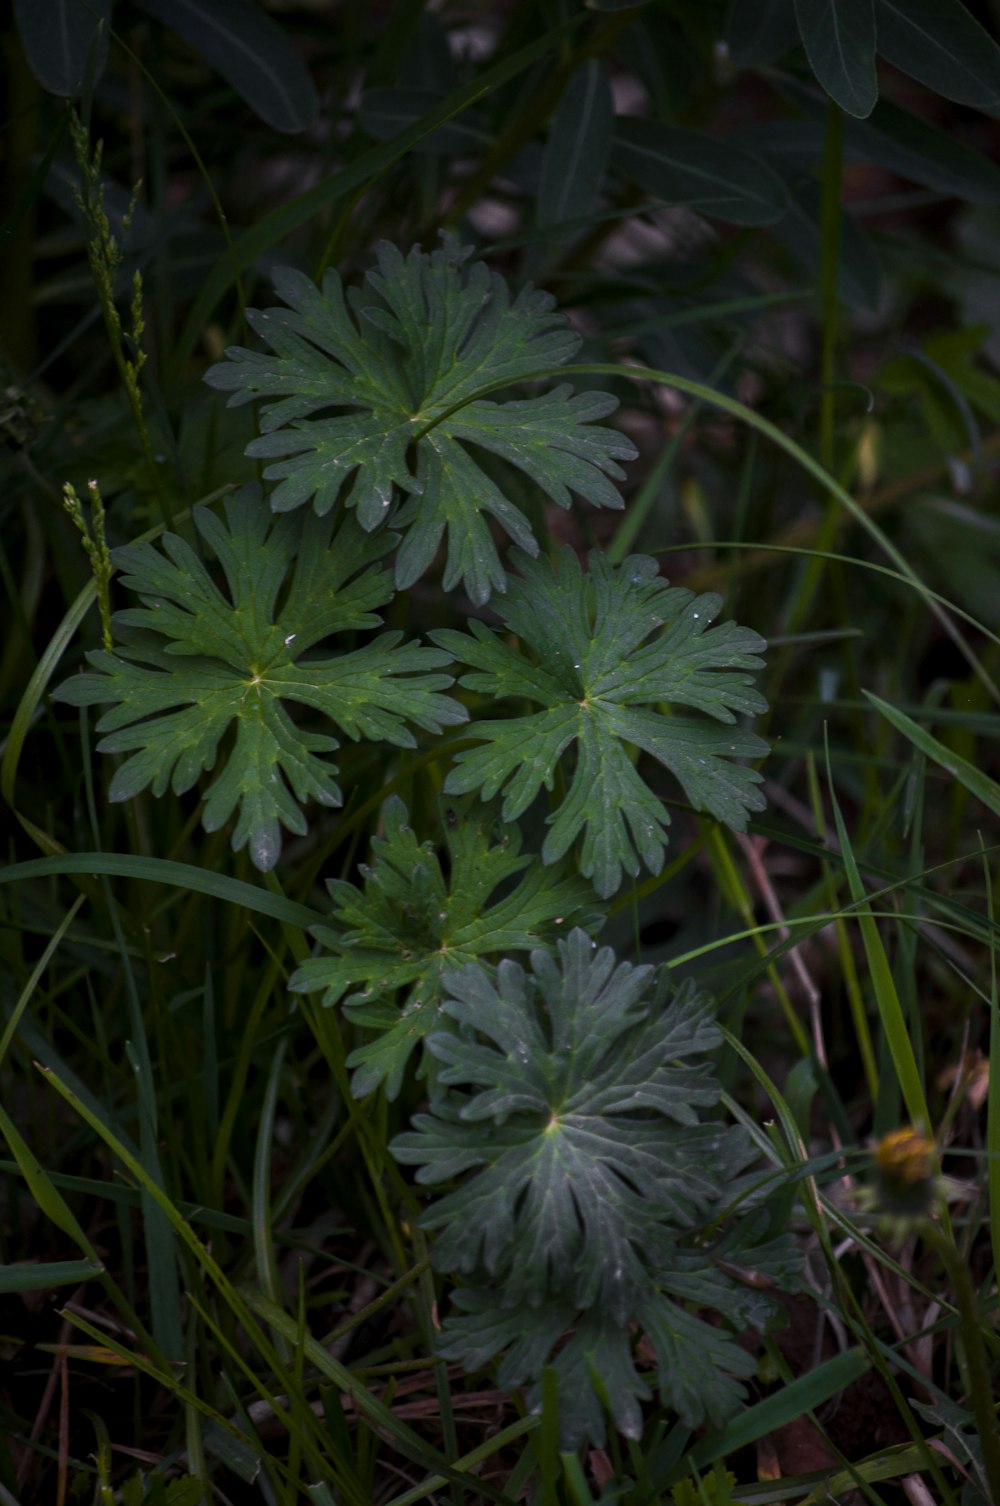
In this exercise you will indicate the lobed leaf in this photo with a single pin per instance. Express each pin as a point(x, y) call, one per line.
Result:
point(194, 661)
point(410, 924)
point(603, 688)
point(567, 1110)
point(406, 355)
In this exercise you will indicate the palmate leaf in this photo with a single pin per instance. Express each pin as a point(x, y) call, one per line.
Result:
point(582, 1118)
point(194, 662)
point(603, 688)
point(409, 924)
point(567, 1112)
point(404, 355)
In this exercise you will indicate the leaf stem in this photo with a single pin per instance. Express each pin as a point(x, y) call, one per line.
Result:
point(979, 1384)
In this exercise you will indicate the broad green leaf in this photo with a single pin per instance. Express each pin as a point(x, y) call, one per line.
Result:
point(915, 149)
point(251, 52)
point(193, 661)
point(898, 140)
point(760, 31)
point(568, 1111)
point(959, 1426)
point(578, 147)
point(405, 356)
point(839, 38)
point(940, 43)
point(60, 39)
point(710, 173)
point(584, 660)
point(410, 924)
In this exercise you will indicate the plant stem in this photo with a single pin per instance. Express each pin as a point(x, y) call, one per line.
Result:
point(976, 1364)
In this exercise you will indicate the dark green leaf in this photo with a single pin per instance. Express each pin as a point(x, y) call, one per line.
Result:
point(576, 153)
point(602, 687)
point(892, 138)
point(386, 112)
point(760, 31)
point(27, 1276)
point(915, 149)
point(58, 36)
point(193, 661)
point(709, 173)
point(406, 355)
point(567, 1108)
point(251, 52)
point(410, 924)
point(839, 38)
point(942, 45)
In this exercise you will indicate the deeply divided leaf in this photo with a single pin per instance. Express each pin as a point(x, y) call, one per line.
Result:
point(197, 664)
point(569, 1117)
point(391, 942)
point(400, 362)
point(609, 660)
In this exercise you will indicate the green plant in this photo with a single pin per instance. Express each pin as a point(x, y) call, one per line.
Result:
point(238, 660)
point(591, 1191)
point(411, 924)
point(609, 655)
point(408, 355)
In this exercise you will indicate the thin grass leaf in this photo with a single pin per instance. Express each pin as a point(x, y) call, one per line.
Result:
point(10, 1029)
point(894, 1022)
point(48, 1198)
point(975, 781)
point(791, 1402)
point(164, 871)
point(403, 1437)
point(27, 1276)
point(263, 1243)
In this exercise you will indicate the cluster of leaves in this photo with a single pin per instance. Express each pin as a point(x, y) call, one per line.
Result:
point(67, 49)
point(936, 41)
point(607, 655)
point(568, 1108)
point(571, 1088)
point(410, 924)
